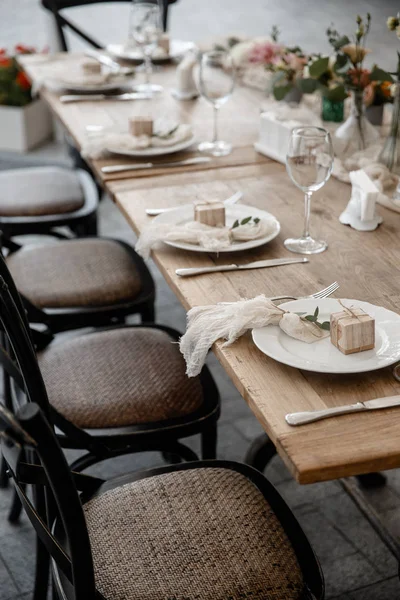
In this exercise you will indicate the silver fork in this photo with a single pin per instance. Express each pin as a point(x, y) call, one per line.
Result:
point(328, 291)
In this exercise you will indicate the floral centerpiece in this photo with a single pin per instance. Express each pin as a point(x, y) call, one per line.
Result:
point(390, 155)
point(15, 87)
point(24, 121)
point(286, 64)
point(343, 73)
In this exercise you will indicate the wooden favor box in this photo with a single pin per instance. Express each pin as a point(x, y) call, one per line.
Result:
point(212, 214)
point(352, 334)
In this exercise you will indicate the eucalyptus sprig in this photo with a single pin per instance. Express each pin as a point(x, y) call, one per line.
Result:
point(245, 221)
point(314, 319)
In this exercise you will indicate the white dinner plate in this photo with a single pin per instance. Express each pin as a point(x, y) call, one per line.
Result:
point(120, 85)
point(156, 151)
point(177, 49)
point(185, 214)
point(322, 356)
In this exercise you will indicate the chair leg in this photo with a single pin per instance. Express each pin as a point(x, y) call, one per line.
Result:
point(171, 459)
point(372, 480)
point(3, 474)
point(148, 313)
point(42, 570)
point(209, 442)
point(261, 451)
point(16, 508)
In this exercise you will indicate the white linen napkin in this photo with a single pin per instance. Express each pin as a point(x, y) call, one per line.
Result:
point(97, 146)
point(209, 238)
point(230, 320)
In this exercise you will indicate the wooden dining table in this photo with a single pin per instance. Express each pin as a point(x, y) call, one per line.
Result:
point(366, 265)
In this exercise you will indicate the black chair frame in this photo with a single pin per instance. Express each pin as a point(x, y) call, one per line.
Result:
point(55, 6)
point(65, 319)
point(102, 444)
point(64, 535)
point(81, 222)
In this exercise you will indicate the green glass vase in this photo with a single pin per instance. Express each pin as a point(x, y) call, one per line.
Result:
point(332, 111)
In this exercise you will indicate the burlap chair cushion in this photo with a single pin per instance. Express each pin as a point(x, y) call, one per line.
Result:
point(38, 191)
point(75, 273)
point(200, 534)
point(119, 377)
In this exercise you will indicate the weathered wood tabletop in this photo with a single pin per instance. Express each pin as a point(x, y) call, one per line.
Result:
point(238, 119)
point(365, 264)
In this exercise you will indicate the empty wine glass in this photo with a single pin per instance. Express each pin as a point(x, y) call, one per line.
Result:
point(309, 162)
point(216, 83)
point(145, 29)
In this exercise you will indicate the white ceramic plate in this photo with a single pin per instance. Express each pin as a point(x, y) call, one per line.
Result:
point(177, 49)
point(156, 151)
point(126, 85)
point(322, 356)
point(184, 214)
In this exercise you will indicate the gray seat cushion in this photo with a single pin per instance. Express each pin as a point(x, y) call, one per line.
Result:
point(39, 191)
point(199, 534)
point(119, 377)
point(75, 273)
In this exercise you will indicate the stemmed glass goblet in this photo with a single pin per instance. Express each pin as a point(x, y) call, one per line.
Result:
point(145, 29)
point(216, 83)
point(309, 162)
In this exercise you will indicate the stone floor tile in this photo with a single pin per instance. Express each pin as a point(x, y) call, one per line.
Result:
point(348, 573)
point(18, 553)
point(384, 590)
point(328, 542)
point(364, 538)
point(8, 589)
point(297, 495)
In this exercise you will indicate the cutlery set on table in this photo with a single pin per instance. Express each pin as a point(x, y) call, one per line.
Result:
point(353, 336)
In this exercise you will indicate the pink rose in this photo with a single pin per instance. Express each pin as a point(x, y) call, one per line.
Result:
point(266, 53)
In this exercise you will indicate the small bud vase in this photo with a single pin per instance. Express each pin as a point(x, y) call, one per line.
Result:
point(390, 155)
point(332, 111)
point(356, 133)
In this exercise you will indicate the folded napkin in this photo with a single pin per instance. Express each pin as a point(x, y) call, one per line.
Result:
point(97, 147)
point(60, 72)
point(210, 238)
point(367, 160)
point(230, 320)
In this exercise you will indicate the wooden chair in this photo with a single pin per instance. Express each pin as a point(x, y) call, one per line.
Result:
point(206, 530)
point(114, 391)
point(62, 22)
point(36, 200)
point(86, 282)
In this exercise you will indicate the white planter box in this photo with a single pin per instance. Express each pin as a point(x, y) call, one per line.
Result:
point(23, 128)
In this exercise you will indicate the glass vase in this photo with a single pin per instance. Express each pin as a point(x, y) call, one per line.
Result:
point(390, 155)
point(356, 133)
point(332, 111)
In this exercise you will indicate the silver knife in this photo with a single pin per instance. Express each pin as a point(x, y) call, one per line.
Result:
point(260, 264)
point(96, 97)
point(134, 167)
point(300, 418)
point(109, 62)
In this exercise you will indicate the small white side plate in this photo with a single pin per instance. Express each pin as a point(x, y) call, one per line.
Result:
point(185, 214)
point(322, 356)
point(156, 151)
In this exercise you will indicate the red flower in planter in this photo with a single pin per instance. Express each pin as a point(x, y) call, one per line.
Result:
point(23, 81)
point(22, 49)
point(5, 62)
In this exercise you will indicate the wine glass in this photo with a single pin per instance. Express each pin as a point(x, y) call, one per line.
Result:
point(309, 162)
point(145, 29)
point(216, 83)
